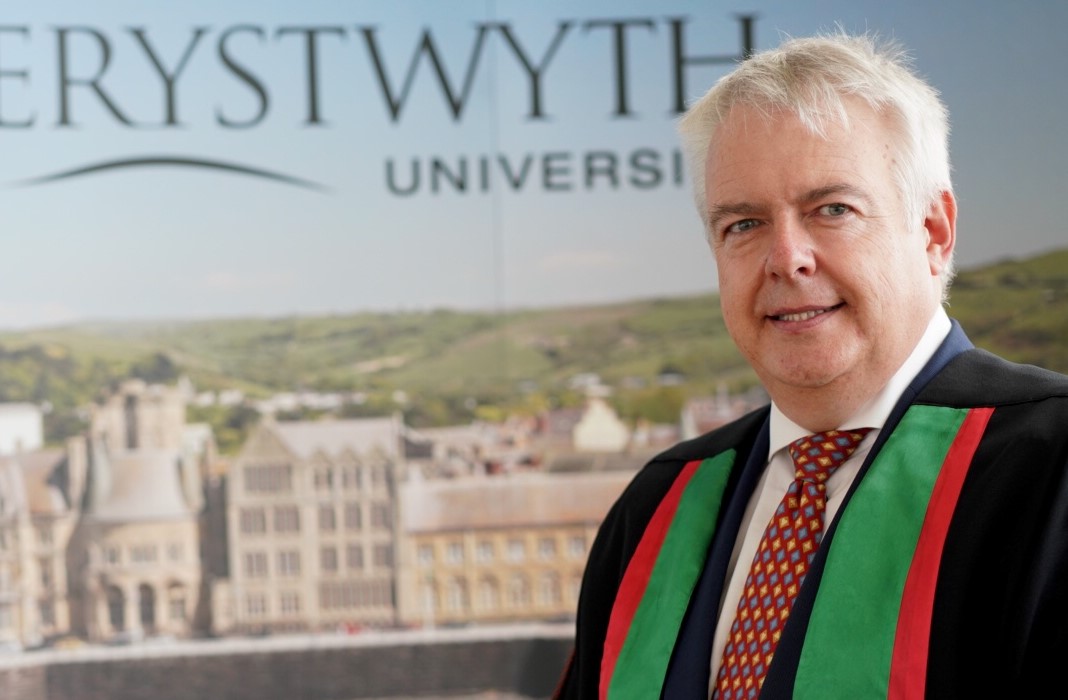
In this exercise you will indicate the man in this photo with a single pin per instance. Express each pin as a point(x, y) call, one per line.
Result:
point(928, 555)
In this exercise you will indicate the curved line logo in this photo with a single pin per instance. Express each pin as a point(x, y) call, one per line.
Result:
point(171, 161)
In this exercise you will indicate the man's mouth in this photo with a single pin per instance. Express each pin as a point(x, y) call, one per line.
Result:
point(805, 315)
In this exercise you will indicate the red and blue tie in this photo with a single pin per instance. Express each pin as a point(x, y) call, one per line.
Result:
point(781, 562)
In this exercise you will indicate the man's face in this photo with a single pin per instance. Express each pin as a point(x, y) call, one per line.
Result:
point(822, 283)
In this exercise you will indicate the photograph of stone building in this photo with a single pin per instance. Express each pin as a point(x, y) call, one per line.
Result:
point(36, 520)
point(311, 523)
point(138, 531)
point(135, 554)
point(499, 549)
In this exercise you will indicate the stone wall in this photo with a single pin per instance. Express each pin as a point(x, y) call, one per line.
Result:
point(394, 665)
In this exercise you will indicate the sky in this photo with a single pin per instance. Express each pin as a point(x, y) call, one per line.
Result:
point(222, 159)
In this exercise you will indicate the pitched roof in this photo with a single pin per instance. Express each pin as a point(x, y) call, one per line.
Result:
point(333, 437)
point(42, 493)
point(498, 502)
point(143, 485)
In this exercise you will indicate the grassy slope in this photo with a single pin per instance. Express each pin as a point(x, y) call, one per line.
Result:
point(1016, 308)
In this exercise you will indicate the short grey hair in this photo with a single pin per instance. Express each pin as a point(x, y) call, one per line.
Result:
point(810, 78)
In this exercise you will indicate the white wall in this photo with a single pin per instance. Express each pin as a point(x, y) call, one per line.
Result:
point(21, 428)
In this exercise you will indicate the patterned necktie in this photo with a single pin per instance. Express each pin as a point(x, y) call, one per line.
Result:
point(781, 562)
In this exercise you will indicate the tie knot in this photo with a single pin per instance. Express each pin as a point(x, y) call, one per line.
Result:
point(817, 456)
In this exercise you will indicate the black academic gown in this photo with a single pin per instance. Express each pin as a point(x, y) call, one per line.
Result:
point(996, 619)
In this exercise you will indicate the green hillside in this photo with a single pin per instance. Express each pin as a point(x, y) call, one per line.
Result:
point(455, 365)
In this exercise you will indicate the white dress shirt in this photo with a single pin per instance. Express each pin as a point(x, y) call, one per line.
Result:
point(779, 473)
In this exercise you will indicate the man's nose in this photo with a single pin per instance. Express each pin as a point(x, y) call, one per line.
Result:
point(791, 251)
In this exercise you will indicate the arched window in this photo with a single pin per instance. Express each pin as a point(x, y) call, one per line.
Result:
point(147, 596)
point(549, 589)
point(489, 594)
point(428, 594)
point(456, 600)
point(176, 605)
point(518, 591)
point(116, 608)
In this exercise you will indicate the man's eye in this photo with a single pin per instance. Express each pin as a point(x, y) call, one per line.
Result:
point(741, 226)
point(836, 209)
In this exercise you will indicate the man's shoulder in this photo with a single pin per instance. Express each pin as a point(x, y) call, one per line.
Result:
point(979, 378)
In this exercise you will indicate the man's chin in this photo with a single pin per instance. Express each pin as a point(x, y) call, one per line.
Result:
point(795, 375)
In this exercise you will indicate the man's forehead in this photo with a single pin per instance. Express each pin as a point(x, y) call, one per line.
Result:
point(758, 161)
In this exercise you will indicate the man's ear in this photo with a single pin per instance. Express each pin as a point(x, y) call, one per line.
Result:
point(941, 226)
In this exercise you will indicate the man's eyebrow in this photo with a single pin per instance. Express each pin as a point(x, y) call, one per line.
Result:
point(718, 212)
point(837, 188)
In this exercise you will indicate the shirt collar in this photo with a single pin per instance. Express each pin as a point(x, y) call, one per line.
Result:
point(873, 414)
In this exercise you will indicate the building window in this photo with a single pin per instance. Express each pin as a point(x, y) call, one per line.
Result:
point(549, 589)
point(546, 549)
point(327, 518)
point(48, 613)
point(143, 554)
point(352, 516)
point(425, 554)
point(286, 519)
point(176, 603)
point(484, 552)
point(518, 591)
point(274, 478)
point(429, 595)
point(175, 551)
point(456, 595)
point(517, 550)
point(289, 563)
point(354, 556)
point(44, 536)
point(253, 521)
point(380, 515)
point(256, 605)
point(383, 555)
point(116, 607)
point(256, 564)
point(47, 573)
point(576, 547)
point(112, 555)
point(324, 479)
point(146, 596)
point(289, 603)
point(350, 478)
point(328, 560)
point(335, 595)
point(454, 553)
point(489, 594)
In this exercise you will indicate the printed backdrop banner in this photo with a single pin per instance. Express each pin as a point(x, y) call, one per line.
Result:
point(206, 159)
